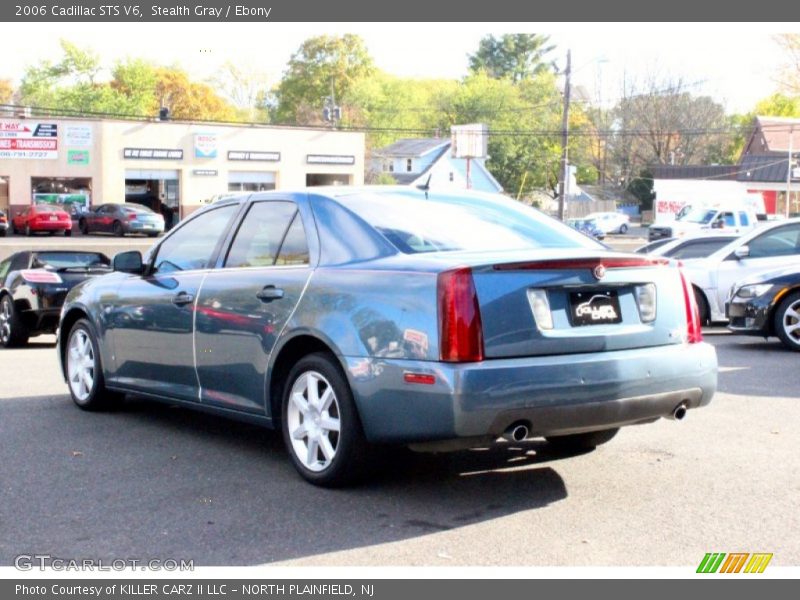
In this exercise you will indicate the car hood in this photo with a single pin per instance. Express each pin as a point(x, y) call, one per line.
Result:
point(774, 276)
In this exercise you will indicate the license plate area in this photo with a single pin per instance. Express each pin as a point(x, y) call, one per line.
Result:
point(596, 307)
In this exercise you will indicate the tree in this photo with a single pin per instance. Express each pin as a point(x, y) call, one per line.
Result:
point(321, 65)
point(6, 91)
point(515, 56)
point(662, 123)
point(246, 88)
point(189, 100)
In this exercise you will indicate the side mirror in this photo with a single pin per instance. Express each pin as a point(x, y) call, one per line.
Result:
point(129, 262)
point(742, 252)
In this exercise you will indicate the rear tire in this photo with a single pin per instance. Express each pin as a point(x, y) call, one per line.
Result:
point(85, 370)
point(83, 226)
point(787, 321)
point(13, 332)
point(68, 233)
point(582, 441)
point(117, 229)
point(320, 423)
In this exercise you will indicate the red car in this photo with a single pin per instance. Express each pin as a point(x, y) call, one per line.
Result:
point(42, 217)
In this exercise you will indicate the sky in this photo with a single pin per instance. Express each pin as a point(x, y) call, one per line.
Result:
point(737, 64)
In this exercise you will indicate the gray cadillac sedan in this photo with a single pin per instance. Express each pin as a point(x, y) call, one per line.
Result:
point(356, 317)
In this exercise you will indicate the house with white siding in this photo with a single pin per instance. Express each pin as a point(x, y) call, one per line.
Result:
point(413, 161)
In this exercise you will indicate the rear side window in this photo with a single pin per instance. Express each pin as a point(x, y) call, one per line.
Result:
point(699, 249)
point(743, 219)
point(414, 224)
point(262, 234)
point(783, 241)
point(192, 246)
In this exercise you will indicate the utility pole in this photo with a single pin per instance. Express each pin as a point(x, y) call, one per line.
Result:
point(789, 173)
point(564, 173)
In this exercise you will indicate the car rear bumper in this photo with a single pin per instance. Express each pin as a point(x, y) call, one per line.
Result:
point(552, 395)
point(54, 226)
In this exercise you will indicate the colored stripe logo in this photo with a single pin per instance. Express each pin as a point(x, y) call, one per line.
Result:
point(735, 562)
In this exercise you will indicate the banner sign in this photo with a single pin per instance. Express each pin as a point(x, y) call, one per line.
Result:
point(260, 156)
point(330, 159)
point(77, 157)
point(28, 140)
point(78, 136)
point(153, 153)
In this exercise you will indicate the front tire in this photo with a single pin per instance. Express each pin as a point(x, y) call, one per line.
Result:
point(83, 226)
point(702, 307)
point(581, 442)
point(68, 233)
point(623, 229)
point(787, 321)
point(320, 423)
point(13, 332)
point(85, 370)
point(28, 231)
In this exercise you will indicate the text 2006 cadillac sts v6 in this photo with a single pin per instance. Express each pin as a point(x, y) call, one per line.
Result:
point(352, 317)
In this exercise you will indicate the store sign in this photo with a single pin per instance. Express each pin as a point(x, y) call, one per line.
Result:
point(28, 140)
point(205, 172)
point(77, 157)
point(330, 159)
point(153, 153)
point(205, 145)
point(259, 156)
point(78, 136)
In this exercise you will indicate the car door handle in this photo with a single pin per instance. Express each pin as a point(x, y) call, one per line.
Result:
point(182, 298)
point(270, 293)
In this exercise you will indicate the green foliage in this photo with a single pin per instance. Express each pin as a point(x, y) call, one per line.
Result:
point(642, 188)
point(136, 88)
point(322, 64)
point(514, 56)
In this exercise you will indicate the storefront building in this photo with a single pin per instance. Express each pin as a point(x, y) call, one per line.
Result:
point(169, 166)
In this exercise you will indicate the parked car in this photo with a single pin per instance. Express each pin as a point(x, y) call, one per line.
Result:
point(33, 285)
point(696, 246)
point(3, 224)
point(767, 305)
point(767, 248)
point(342, 317)
point(650, 246)
point(707, 220)
point(610, 222)
point(121, 219)
point(588, 227)
point(42, 217)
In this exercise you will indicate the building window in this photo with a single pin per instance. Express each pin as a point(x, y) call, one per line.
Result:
point(451, 176)
point(409, 165)
point(389, 166)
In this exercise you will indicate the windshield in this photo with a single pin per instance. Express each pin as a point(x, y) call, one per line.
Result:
point(699, 215)
point(473, 223)
point(60, 260)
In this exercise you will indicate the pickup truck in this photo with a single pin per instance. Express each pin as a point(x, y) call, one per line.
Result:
point(707, 220)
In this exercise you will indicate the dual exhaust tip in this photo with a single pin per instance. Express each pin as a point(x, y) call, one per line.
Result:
point(519, 432)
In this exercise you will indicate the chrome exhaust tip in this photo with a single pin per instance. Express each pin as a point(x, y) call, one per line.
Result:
point(680, 412)
point(516, 433)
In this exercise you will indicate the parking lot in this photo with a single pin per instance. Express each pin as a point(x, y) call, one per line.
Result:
point(151, 481)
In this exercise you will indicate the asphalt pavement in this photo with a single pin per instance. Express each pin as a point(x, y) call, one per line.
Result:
point(150, 481)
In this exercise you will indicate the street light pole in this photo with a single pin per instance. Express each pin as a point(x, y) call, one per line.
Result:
point(564, 174)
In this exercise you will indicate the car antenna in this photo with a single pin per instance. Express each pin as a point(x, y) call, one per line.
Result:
point(426, 186)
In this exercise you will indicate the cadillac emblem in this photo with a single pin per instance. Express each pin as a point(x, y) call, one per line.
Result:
point(599, 272)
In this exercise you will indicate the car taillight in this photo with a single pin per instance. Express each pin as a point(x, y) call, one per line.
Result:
point(694, 332)
point(131, 217)
point(40, 276)
point(460, 328)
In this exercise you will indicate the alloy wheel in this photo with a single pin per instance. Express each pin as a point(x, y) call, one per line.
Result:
point(790, 322)
point(313, 420)
point(80, 365)
point(5, 320)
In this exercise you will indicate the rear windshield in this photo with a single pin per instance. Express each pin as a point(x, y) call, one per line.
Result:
point(60, 260)
point(48, 208)
point(447, 223)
